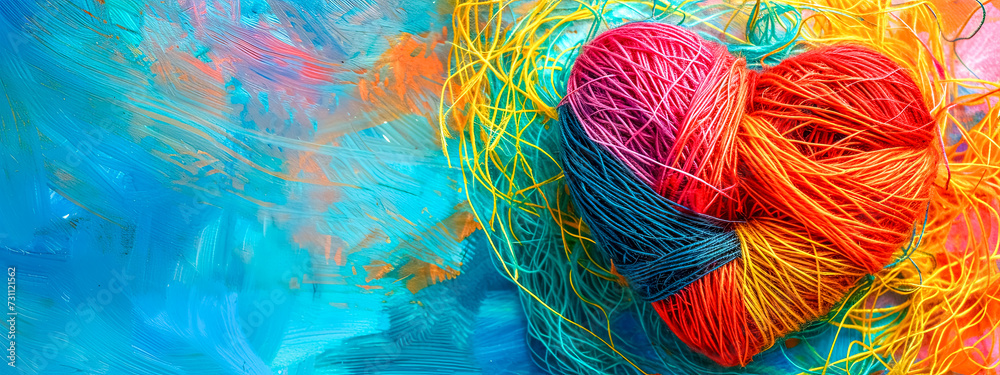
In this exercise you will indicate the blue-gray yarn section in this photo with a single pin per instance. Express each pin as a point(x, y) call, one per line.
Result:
point(659, 246)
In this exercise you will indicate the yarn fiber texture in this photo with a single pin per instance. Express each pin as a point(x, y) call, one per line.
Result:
point(743, 204)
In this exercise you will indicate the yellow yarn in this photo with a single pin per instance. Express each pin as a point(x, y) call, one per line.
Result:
point(502, 89)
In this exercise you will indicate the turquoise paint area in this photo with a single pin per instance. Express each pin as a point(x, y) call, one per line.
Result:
point(175, 173)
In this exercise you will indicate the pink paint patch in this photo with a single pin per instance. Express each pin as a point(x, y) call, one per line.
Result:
point(979, 53)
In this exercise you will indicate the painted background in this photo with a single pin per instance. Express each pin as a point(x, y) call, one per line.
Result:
point(239, 187)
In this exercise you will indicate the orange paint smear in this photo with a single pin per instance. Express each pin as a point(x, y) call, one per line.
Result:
point(406, 75)
point(425, 274)
point(461, 224)
point(377, 270)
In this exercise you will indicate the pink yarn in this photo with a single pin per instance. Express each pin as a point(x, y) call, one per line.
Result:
point(637, 116)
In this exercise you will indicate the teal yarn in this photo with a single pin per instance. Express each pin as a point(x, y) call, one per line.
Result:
point(771, 32)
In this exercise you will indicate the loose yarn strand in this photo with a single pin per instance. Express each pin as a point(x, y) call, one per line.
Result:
point(934, 312)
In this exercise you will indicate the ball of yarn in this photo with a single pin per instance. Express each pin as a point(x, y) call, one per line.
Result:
point(743, 204)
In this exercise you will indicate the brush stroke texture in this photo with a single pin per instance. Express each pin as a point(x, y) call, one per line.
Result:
point(263, 178)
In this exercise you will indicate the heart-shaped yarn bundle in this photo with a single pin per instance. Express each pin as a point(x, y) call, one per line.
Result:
point(743, 204)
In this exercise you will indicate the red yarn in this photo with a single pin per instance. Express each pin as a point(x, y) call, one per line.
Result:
point(823, 164)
